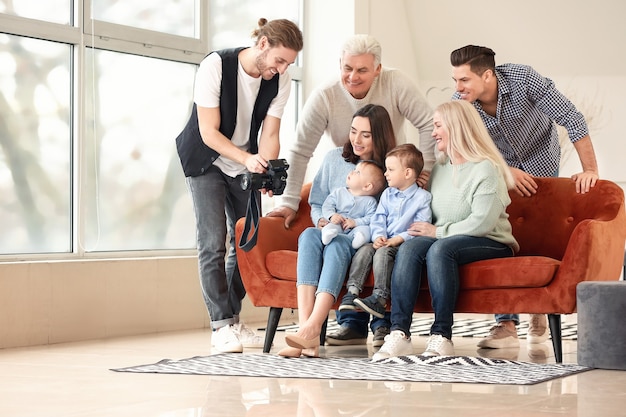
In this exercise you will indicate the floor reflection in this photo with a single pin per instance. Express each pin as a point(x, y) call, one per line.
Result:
point(318, 397)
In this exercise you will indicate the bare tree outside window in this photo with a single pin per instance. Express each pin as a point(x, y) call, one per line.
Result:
point(89, 116)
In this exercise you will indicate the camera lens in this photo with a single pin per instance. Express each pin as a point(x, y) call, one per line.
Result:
point(245, 182)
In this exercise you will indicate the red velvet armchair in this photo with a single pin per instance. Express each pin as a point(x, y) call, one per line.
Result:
point(565, 238)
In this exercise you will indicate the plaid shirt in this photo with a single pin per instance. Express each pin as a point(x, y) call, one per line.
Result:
point(524, 127)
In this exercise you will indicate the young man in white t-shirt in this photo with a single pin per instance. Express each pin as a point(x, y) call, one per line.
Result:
point(219, 144)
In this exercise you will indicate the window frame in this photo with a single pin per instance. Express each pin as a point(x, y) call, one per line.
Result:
point(82, 34)
point(106, 35)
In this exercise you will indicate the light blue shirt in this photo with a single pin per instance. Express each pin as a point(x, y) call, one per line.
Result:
point(359, 208)
point(397, 210)
point(330, 176)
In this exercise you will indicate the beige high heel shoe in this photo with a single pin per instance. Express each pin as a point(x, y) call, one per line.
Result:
point(302, 343)
point(292, 352)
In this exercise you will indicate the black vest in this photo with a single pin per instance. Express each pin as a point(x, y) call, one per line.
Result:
point(195, 156)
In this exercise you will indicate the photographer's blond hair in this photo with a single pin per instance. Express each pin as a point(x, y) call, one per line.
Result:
point(279, 32)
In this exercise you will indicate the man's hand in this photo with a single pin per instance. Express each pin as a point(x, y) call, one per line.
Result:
point(422, 179)
point(285, 212)
point(525, 185)
point(256, 163)
point(585, 180)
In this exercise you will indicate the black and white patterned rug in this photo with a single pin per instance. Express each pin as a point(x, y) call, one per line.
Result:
point(420, 326)
point(411, 368)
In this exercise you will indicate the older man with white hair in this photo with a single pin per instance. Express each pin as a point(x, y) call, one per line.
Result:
point(363, 80)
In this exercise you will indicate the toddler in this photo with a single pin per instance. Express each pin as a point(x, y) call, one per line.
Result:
point(350, 208)
point(400, 205)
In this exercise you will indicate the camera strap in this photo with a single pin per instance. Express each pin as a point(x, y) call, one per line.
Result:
point(252, 220)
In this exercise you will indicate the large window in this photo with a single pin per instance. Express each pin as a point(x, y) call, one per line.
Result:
point(134, 186)
point(35, 145)
point(56, 11)
point(92, 95)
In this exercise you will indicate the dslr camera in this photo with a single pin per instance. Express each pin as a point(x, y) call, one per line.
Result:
point(274, 180)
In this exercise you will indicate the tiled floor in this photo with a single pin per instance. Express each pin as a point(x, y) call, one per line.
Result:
point(74, 380)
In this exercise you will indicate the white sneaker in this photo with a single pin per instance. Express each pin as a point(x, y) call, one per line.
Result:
point(396, 344)
point(438, 345)
point(538, 329)
point(226, 341)
point(247, 337)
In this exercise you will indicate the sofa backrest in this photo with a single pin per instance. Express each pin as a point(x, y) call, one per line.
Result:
point(543, 223)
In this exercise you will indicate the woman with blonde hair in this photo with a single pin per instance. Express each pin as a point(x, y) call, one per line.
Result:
point(469, 186)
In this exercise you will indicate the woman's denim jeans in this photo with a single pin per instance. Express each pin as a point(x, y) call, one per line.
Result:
point(323, 267)
point(442, 258)
point(218, 202)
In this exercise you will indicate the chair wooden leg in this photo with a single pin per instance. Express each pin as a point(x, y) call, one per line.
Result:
point(272, 324)
point(555, 331)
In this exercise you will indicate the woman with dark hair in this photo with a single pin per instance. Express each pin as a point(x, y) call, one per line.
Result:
point(321, 270)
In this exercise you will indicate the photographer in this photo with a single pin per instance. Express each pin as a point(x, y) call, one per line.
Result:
point(237, 93)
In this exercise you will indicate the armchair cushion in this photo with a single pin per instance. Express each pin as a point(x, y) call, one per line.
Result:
point(282, 264)
point(526, 271)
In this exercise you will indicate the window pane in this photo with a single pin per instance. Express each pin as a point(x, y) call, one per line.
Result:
point(55, 11)
point(232, 21)
point(176, 17)
point(137, 196)
point(35, 145)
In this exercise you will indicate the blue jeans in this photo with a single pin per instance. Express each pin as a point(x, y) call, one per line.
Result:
point(218, 202)
point(442, 258)
point(359, 270)
point(323, 267)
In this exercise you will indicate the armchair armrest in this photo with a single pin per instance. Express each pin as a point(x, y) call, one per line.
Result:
point(594, 251)
point(271, 236)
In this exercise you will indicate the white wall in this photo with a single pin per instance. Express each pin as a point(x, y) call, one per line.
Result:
point(579, 44)
point(327, 23)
